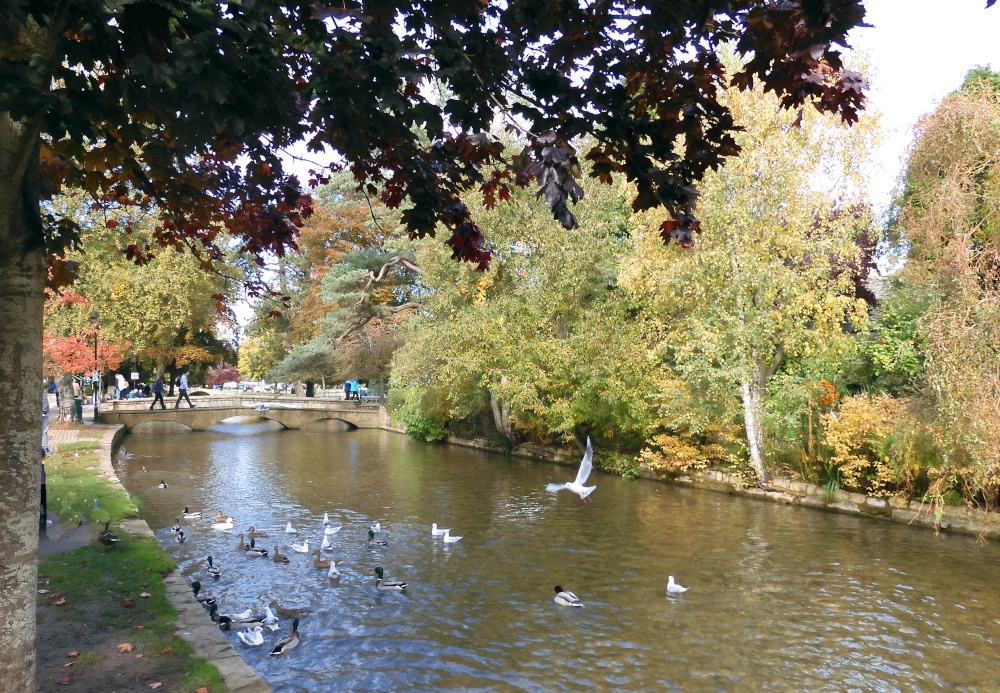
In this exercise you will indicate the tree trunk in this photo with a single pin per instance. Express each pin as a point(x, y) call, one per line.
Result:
point(67, 409)
point(753, 409)
point(501, 418)
point(22, 284)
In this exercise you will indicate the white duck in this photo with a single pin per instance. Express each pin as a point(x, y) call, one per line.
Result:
point(228, 524)
point(435, 532)
point(448, 539)
point(564, 598)
point(301, 548)
point(290, 530)
point(577, 485)
point(252, 638)
point(673, 587)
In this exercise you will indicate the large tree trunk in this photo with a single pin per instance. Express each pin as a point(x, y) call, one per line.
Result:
point(22, 283)
point(501, 418)
point(67, 408)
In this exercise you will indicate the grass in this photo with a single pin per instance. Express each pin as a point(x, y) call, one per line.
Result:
point(95, 581)
point(79, 446)
point(75, 492)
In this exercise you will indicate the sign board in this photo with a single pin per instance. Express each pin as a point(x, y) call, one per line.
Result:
point(135, 375)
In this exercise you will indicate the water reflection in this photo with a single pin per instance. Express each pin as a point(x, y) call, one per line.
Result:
point(782, 598)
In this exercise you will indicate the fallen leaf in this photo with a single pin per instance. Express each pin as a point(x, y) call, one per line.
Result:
point(69, 664)
point(43, 591)
point(128, 602)
point(139, 656)
point(125, 647)
point(203, 689)
point(74, 653)
point(55, 595)
point(63, 680)
point(155, 684)
point(140, 627)
point(165, 650)
point(145, 594)
point(60, 602)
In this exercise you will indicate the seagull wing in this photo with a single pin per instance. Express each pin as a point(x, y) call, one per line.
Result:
point(555, 487)
point(586, 465)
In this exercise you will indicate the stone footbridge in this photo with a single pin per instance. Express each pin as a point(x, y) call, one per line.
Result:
point(290, 412)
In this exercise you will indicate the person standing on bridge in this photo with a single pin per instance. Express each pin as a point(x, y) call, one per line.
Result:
point(158, 393)
point(183, 387)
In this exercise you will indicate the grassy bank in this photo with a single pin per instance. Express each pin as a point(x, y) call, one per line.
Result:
point(104, 621)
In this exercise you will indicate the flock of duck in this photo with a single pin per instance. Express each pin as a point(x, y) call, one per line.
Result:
point(250, 626)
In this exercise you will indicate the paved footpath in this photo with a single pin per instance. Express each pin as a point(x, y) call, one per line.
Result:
point(192, 620)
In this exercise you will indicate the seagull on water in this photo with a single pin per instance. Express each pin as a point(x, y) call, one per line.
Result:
point(448, 539)
point(673, 587)
point(289, 529)
point(252, 638)
point(301, 548)
point(435, 532)
point(577, 485)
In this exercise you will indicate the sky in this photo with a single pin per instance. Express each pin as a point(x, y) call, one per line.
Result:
point(919, 51)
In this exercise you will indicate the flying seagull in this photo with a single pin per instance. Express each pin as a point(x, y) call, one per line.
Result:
point(577, 486)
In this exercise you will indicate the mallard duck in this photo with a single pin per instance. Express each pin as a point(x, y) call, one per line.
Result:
point(180, 536)
point(290, 530)
point(372, 541)
point(289, 642)
point(163, 484)
point(204, 599)
point(278, 558)
point(253, 637)
point(448, 539)
point(577, 485)
point(219, 517)
point(177, 526)
point(387, 585)
point(319, 563)
point(673, 587)
point(188, 515)
point(240, 544)
point(301, 548)
point(212, 570)
point(435, 532)
point(288, 613)
point(255, 550)
point(564, 598)
point(107, 537)
point(228, 524)
point(254, 534)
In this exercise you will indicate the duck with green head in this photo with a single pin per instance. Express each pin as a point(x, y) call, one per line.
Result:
point(289, 642)
point(383, 585)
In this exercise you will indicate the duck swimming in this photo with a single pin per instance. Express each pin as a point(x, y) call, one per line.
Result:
point(212, 570)
point(372, 541)
point(240, 544)
point(564, 598)
point(188, 515)
point(163, 484)
point(254, 534)
point(383, 585)
point(319, 563)
point(228, 524)
point(289, 642)
point(180, 536)
point(278, 558)
point(177, 526)
point(204, 599)
point(254, 550)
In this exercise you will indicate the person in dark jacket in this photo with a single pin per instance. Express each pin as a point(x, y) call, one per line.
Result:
point(158, 393)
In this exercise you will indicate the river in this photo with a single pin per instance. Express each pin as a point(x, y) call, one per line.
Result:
point(782, 598)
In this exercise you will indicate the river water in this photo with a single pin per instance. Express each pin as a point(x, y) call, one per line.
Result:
point(781, 598)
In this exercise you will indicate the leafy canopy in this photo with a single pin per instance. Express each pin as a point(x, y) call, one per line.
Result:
point(184, 106)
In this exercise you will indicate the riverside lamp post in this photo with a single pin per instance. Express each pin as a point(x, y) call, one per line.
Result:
point(95, 320)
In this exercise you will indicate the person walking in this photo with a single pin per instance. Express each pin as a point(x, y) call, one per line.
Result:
point(158, 393)
point(45, 423)
point(183, 387)
point(121, 386)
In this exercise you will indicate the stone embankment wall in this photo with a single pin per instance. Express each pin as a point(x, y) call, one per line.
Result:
point(960, 520)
